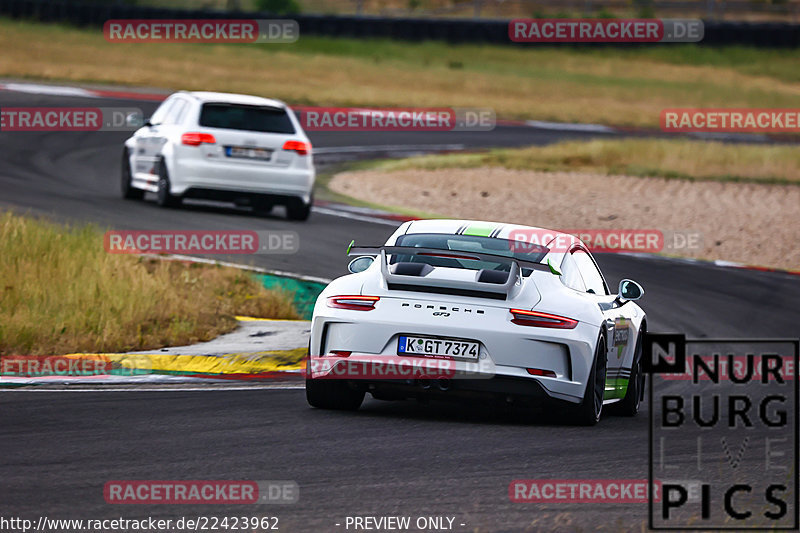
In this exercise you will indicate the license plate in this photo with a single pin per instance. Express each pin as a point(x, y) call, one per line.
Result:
point(435, 346)
point(248, 153)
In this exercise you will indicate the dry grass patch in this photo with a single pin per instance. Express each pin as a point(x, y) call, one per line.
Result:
point(60, 292)
point(613, 86)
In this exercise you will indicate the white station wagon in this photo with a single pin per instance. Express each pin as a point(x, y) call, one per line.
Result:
point(218, 146)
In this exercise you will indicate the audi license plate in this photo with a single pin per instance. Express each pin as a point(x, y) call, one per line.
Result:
point(244, 152)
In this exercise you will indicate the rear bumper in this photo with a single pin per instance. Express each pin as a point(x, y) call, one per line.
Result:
point(271, 180)
point(507, 350)
point(254, 198)
point(482, 376)
point(501, 389)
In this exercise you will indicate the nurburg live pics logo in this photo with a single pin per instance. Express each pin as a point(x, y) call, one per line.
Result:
point(723, 414)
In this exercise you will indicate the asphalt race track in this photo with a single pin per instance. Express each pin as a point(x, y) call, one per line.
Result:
point(58, 449)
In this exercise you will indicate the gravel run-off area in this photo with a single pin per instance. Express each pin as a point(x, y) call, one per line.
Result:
point(742, 222)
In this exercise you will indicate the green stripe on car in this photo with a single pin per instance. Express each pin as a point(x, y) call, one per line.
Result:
point(479, 230)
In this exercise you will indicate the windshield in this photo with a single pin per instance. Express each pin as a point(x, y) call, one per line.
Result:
point(468, 243)
point(246, 117)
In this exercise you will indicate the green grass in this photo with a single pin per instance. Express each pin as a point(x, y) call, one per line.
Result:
point(675, 159)
point(779, 64)
point(61, 292)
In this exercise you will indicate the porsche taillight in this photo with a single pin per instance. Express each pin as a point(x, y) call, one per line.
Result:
point(354, 303)
point(541, 320)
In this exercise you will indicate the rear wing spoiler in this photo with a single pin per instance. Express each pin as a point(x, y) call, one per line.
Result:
point(437, 252)
point(421, 283)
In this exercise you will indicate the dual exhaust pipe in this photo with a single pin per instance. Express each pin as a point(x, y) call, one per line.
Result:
point(443, 384)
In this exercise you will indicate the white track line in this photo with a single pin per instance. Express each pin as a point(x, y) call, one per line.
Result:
point(53, 90)
point(389, 148)
point(566, 126)
point(362, 218)
point(281, 273)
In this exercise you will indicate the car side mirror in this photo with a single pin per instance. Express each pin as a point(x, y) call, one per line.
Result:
point(360, 264)
point(147, 123)
point(629, 290)
point(135, 121)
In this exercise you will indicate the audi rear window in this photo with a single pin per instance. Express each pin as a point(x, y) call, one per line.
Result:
point(246, 117)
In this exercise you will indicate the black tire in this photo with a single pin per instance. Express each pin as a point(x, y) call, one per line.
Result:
point(591, 408)
point(164, 198)
point(629, 405)
point(263, 207)
point(129, 192)
point(333, 394)
point(299, 210)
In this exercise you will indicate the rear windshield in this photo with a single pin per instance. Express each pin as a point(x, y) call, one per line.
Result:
point(468, 243)
point(246, 117)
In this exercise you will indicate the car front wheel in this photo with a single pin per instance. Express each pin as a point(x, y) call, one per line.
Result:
point(629, 405)
point(164, 197)
point(589, 411)
point(129, 192)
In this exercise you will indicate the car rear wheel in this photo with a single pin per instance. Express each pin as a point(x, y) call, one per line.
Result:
point(299, 210)
point(629, 405)
point(164, 197)
point(128, 190)
point(333, 394)
point(263, 207)
point(589, 411)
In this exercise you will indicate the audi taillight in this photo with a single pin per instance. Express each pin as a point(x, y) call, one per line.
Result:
point(302, 148)
point(541, 320)
point(196, 139)
point(354, 303)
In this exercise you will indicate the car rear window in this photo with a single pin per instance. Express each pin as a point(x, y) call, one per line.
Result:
point(468, 243)
point(246, 117)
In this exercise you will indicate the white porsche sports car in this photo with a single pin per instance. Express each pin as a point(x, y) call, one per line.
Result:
point(464, 308)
